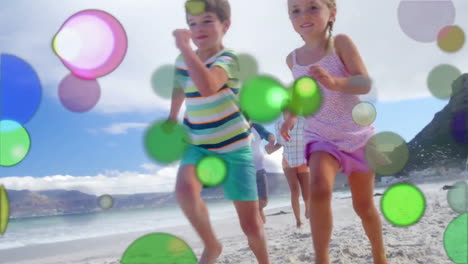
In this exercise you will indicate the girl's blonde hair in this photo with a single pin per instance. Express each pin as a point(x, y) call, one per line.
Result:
point(331, 4)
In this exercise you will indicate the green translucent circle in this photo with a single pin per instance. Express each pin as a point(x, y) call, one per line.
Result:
point(106, 201)
point(440, 80)
point(15, 143)
point(248, 67)
point(158, 248)
point(263, 99)
point(456, 239)
point(364, 114)
point(195, 7)
point(306, 97)
point(166, 141)
point(386, 153)
point(211, 171)
point(457, 197)
point(403, 204)
point(162, 81)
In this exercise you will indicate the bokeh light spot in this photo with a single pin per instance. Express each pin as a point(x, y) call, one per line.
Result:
point(456, 239)
point(159, 248)
point(362, 80)
point(403, 204)
point(15, 143)
point(78, 95)
point(4, 210)
point(248, 67)
point(195, 7)
point(166, 141)
point(423, 20)
point(20, 89)
point(106, 201)
point(440, 80)
point(364, 114)
point(68, 44)
point(91, 43)
point(211, 171)
point(460, 126)
point(263, 99)
point(306, 97)
point(162, 81)
point(386, 153)
point(457, 197)
point(451, 39)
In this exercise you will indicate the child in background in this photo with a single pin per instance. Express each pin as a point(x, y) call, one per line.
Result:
point(259, 132)
point(332, 138)
point(206, 80)
point(294, 165)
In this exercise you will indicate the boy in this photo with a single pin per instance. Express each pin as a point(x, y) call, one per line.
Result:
point(206, 80)
point(259, 132)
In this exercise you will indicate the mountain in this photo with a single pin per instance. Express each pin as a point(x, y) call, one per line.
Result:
point(444, 141)
point(25, 203)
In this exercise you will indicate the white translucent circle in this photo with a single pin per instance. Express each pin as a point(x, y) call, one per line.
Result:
point(96, 41)
point(364, 114)
point(106, 201)
point(68, 44)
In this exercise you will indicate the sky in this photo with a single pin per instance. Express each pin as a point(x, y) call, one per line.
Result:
point(101, 151)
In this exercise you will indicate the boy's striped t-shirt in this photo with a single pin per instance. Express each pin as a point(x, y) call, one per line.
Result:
point(215, 122)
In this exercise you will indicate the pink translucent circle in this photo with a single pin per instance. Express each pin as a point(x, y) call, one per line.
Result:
point(422, 20)
point(78, 95)
point(443, 33)
point(98, 58)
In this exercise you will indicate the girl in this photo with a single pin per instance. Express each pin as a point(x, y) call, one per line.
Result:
point(294, 165)
point(332, 139)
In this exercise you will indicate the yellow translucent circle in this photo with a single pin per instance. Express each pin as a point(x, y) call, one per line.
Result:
point(451, 39)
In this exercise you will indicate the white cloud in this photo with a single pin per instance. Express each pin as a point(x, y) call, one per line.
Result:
point(150, 167)
point(122, 128)
point(109, 182)
point(398, 65)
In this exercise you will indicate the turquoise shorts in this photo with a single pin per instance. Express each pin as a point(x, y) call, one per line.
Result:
point(240, 183)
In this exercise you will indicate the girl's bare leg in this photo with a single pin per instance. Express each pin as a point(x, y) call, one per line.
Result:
point(323, 170)
point(362, 190)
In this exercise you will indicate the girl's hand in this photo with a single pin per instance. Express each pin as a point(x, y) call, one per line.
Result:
point(286, 127)
point(323, 76)
point(182, 38)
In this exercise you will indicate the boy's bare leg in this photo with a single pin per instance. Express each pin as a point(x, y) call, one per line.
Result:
point(262, 204)
point(323, 169)
point(188, 190)
point(294, 187)
point(253, 228)
point(362, 190)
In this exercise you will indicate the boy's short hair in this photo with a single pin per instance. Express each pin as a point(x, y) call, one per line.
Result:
point(221, 8)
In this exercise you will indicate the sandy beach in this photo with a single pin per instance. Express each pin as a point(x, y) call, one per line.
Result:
point(419, 243)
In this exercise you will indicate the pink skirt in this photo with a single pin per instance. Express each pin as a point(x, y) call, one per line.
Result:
point(349, 161)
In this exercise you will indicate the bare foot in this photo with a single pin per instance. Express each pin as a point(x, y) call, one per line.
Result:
point(325, 260)
point(211, 254)
point(299, 224)
point(380, 259)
